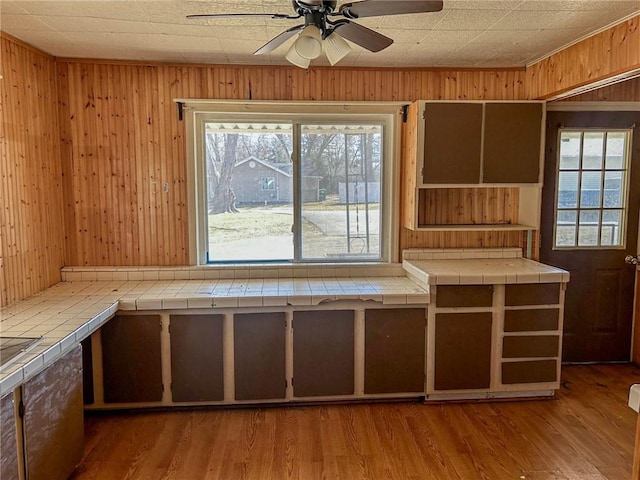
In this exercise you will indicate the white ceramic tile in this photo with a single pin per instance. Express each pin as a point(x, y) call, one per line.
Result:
point(201, 302)
point(422, 298)
point(136, 275)
point(10, 380)
point(299, 300)
point(444, 279)
point(72, 276)
point(34, 365)
point(394, 299)
point(174, 303)
point(127, 305)
point(225, 302)
point(149, 304)
point(274, 301)
point(250, 301)
point(492, 279)
point(528, 277)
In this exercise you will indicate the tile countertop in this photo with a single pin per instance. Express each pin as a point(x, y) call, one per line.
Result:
point(463, 267)
point(69, 312)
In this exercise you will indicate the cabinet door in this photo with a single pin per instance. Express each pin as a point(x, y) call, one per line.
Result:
point(452, 143)
point(512, 136)
point(53, 419)
point(394, 349)
point(323, 353)
point(462, 351)
point(8, 439)
point(196, 358)
point(259, 356)
point(131, 365)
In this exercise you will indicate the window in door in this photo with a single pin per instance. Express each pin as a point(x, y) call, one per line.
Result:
point(592, 180)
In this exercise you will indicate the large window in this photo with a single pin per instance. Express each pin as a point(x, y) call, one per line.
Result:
point(305, 189)
point(592, 188)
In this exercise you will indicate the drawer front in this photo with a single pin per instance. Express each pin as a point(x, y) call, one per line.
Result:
point(464, 295)
point(532, 294)
point(531, 320)
point(537, 371)
point(538, 346)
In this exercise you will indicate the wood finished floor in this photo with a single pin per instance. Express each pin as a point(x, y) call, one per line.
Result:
point(586, 433)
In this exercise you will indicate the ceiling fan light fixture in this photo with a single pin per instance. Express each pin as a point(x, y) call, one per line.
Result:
point(294, 57)
point(309, 42)
point(336, 48)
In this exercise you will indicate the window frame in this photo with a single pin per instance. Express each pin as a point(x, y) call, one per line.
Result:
point(600, 209)
point(198, 112)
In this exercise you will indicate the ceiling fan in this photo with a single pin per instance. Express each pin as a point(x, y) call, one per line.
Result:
point(319, 31)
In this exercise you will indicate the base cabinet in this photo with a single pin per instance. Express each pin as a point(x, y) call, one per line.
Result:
point(463, 351)
point(9, 459)
point(259, 356)
point(394, 350)
point(53, 422)
point(131, 362)
point(196, 358)
point(323, 353)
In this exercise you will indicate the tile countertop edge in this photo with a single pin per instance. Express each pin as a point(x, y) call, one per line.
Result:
point(468, 272)
point(45, 356)
point(634, 397)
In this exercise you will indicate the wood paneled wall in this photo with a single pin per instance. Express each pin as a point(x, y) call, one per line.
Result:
point(31, 221)
point(123, 147)
point(613, 52)
point(627, 91)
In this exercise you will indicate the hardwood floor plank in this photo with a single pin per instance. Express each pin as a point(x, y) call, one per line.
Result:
point(586, 433)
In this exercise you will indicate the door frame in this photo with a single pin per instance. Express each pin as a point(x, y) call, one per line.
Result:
point(576, 106)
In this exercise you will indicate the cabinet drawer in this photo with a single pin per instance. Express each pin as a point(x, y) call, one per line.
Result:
point(530, 372)
point(531, 320)
point(464, 295)
point(534, 346)
point(532, 294)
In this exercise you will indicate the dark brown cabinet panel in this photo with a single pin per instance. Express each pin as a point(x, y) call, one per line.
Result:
point(394, 348)
point(87, 371)
point(259, 356)
point(512, 135)
point(532, 294)
point(464, 295)
point(53, 422)
point(462, 351)
point(196, 358)
point(535, 371)
point(452, 143)
point(8, 439)
point(323, 350)
point(531, 346)
point(531, 320)
point(131, 364)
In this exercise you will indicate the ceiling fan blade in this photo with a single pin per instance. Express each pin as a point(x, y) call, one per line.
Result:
point(363, 36)
point(278, 40)
point(232, 15)
point(375, 8)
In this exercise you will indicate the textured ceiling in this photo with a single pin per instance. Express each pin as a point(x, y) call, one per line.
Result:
point(466, 33)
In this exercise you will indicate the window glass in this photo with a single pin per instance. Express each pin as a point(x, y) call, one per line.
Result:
point(591, 188)
point(249, 191)
point(293, 191)
point(340, 191)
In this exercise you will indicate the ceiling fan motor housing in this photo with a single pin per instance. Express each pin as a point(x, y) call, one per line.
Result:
point(302, 6)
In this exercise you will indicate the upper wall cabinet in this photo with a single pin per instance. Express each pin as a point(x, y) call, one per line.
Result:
point(472, 165)
point(474, 143)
